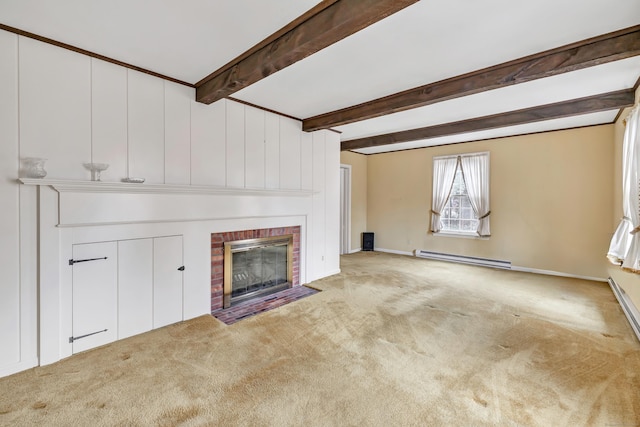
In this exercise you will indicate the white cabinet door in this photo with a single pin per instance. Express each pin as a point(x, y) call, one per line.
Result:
point(94, 295)
point(167, 280)
point(135, 287)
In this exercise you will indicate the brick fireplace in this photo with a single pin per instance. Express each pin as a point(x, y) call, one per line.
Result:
point(218, 241)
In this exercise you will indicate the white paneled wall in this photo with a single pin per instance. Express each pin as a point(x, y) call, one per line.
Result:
point(290, 132)
point(72, 110)
point(10, 307)
point(317, 251)
point(255, 148)
point(306, 161)
point(332, 202)
point(272, 150)
point(145, 107)
point(235, 145)
point(109, 118)
point(208, 147)
point(55, 108)
point(177, 133)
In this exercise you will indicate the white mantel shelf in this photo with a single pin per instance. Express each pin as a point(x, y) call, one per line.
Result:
point(62, 186)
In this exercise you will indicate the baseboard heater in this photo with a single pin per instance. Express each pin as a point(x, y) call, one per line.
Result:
point(628, 308)
point(486, 262)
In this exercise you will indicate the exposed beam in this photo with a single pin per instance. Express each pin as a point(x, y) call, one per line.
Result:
point(329, 25)
point(587, 53)
point(591, 104)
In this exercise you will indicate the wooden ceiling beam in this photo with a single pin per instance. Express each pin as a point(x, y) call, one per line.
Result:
point(587, 53)
point(324, 27)
point(591, 104)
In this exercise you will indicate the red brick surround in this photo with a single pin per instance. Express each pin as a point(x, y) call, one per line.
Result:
point(217, 256)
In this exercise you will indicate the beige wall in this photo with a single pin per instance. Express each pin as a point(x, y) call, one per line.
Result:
point(628, 281)
point(358, 164)
point(551, 200)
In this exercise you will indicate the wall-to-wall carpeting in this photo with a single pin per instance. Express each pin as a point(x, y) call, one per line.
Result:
point(392, 340)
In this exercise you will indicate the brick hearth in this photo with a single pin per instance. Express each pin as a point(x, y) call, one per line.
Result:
point(217, 256)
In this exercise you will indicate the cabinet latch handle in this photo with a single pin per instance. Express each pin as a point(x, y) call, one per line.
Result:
point(181, 268)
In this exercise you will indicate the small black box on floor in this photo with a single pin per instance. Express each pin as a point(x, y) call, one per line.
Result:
point(367, 241)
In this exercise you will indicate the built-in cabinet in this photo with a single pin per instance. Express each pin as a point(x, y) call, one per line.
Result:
point(124, 288)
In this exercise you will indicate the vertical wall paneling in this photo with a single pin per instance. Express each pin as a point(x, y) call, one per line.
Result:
point(28, 275)
point(332, 202)
point(306, 161)
point(290, 133)
point(10, 305)
point(55, 106)
point(208, 158)
point(255, 147)
point(48, 273)
point(235, 145)
point(146, 127)
point(177, 132)
point(135, 287)
point(317, 256)
point(109, 118)
point(272, 150)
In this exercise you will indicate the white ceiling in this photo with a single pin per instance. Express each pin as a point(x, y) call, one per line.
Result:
point(426, 42)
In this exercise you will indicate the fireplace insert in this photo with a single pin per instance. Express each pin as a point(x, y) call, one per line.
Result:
point(256, 267)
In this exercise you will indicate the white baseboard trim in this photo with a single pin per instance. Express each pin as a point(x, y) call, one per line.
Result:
point(18, 367)
point(331, 273)
point(353, 251)
point(629, 309)
point(393, 251)
point(556, 273)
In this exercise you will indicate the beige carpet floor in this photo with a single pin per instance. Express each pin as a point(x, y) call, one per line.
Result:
point(391, 341)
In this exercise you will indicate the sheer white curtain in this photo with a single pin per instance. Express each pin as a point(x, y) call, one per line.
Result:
point(475, 170)
point(621, 241)
point(444, 170)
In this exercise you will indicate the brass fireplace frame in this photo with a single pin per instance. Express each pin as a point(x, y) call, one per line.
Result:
point(245, 245)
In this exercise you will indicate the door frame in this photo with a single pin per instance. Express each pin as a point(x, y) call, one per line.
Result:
point(345, 209)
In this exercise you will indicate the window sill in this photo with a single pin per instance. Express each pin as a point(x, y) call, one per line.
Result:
point(458, 234)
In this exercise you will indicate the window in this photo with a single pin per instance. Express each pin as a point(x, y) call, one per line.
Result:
point(458, 215)
point(460, 202)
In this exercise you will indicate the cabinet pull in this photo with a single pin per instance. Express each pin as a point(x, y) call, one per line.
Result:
point(181, 268)
point(75, 261)
point(72, 339)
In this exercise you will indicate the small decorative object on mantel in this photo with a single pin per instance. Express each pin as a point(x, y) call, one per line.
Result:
point(96, 169)
point(133, 180)
point(33, 167)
